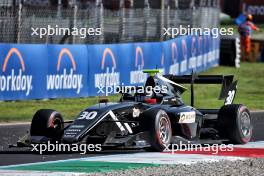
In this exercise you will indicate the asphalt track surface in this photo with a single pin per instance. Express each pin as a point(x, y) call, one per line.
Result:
point(10, 133)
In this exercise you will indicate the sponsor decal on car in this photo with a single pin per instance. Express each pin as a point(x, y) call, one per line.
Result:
point(187, 117)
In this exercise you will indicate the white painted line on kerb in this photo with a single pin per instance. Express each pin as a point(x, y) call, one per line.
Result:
point(161, 158)
point(151, 157)
point(38, 173)
point(14, 123)
point(258, 144)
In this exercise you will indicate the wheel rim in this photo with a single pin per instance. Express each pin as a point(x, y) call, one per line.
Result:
point(245, 124)
point(164, 130)
point(57, 124)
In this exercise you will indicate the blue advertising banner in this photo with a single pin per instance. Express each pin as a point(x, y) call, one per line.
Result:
point(30, 71)
point(23, 71)
point(67, 72)
point(109, 66)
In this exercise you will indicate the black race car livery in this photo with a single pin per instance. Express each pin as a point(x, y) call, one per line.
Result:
point(151, 121)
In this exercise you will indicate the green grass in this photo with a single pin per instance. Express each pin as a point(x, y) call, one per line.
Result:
point(250, 93)
point(250, 87)
point(24, 110)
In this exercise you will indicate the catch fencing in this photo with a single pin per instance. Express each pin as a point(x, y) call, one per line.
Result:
point(121, 21)
point(132, 40)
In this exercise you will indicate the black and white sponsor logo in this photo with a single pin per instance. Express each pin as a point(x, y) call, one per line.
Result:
point(187, 117)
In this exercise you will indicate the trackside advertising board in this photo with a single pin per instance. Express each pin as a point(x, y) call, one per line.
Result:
point(254, 7)
point(30, 71)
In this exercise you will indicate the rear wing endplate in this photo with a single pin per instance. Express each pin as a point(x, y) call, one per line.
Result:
point(228, 90)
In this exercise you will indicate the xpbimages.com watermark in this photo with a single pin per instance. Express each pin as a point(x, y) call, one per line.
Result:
point(188, 30)
point(147, 90)
point(62, 31)
point(212, 148)
point(59, 147)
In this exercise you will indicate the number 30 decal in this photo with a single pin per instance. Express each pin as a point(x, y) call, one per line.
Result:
point(230, 98)
point(88, 115)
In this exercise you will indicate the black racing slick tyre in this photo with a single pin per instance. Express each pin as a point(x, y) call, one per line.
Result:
point(159, 128)
point(234, 122)
point(48, 123)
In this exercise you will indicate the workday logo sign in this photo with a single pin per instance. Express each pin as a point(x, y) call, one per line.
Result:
point(65, 79)
point(193, 59)
point(137, 76)
point(174, 68)
point(15, 80)
point(200, 51)
point(183, 66)
point(109, 77)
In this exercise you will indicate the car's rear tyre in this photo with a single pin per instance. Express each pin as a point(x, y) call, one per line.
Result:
point(159, 127)
point(48, 123)
point(234, 122)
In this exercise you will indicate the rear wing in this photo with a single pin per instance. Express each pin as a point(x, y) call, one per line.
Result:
point(228, 90)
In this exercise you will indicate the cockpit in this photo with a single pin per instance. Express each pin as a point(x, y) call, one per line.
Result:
point(157, 90)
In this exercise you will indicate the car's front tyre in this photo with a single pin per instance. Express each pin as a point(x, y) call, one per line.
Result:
point(159, 127)
point(48, 123)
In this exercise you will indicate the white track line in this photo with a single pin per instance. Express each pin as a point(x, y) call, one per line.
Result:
point(38, 173)
point(162, 158)
point(15, 123)
point(139, 157)
point(258, 144)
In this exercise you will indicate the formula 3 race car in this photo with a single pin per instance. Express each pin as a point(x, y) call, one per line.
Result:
point(151, 121)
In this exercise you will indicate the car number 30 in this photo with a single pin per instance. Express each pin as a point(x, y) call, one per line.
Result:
point(230, 98)
point(88, 115)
